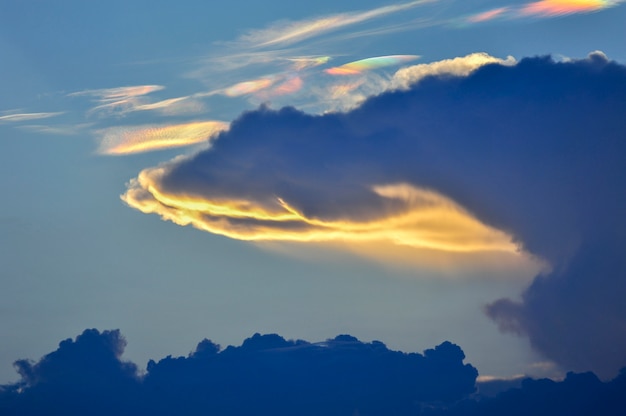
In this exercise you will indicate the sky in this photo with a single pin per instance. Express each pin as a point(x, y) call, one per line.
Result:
point(413, 173)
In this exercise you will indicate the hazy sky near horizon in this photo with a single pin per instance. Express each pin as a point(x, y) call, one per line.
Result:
point(94, 98)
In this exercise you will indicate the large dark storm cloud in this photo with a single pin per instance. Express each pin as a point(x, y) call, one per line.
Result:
point(268, 375)
point(536, 149)
point(265, 375)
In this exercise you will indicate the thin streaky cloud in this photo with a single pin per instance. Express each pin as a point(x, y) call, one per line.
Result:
point(292, 32)
point(488, 15)
point(140, 139)
point(59, 130)
point(16, 118)
point(549, 8)
point(544, 9)
point(119, 93)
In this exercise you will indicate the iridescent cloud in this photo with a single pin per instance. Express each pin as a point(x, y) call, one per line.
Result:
point(289, 86)
point(544, 9)
point(119, 93)
point(549, 8)
point(298, 64)
point(138, 139)
point(119, 98)
point(362, 65)
point(249, 87)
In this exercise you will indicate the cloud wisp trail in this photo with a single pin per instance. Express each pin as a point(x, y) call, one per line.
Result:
point(21, 117)
point(139, 139)
point(293, 32)
point(544, 9)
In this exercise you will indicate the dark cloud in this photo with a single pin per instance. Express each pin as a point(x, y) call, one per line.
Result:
point(265, 375)
point(535, 149)
point(578, 394)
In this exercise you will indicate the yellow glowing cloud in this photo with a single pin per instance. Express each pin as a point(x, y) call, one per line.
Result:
point(550, 8)
point(287, 33)
point(414, 218)
point(461, 66)
point(362, 65)
point(127, 140)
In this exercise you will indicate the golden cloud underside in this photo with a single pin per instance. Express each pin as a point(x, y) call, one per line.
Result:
point(426, 220)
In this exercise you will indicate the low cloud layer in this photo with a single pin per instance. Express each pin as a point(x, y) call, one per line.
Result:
point(529, 154)
point(265, 375)
point(270, 375)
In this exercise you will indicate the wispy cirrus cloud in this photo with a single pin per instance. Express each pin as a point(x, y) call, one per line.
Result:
point(21, 117)
point(544, 9)
point(286, 33)
point(551, 8)
point(139, 139)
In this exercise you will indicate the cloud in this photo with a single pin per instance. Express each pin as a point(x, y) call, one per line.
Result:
point(20, 117)
point(286, 33)
point(529, 154)
point(550, 8)
point(139, 139)
point(461, 66)
point(265, 375)
point(581, 394)
point(268, 374)
point(544, 9)
point(171, 106)
point(357, 67)
point(122, 99)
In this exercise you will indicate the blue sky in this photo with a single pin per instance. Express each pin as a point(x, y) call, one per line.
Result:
point(81, 84)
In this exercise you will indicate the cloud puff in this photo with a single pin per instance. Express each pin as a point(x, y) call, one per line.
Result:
point(460, 66)
point(531, 152)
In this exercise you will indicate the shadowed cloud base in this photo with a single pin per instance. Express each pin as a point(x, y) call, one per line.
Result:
point(270, 375)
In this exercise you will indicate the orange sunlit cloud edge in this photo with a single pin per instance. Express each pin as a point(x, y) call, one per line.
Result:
point(423, 221)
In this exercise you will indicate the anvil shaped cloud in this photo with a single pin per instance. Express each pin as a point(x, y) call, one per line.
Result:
point(531, 152)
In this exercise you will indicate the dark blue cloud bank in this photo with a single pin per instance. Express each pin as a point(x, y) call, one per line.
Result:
point(268, 375)
point(537, 149)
